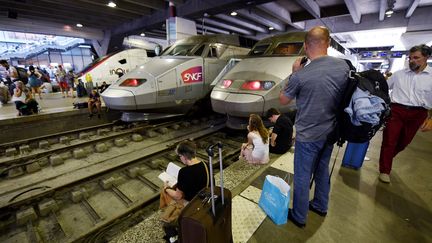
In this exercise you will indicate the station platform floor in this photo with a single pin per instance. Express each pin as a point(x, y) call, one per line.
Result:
point(57, 114)
point(361, 208)
point(49, 104)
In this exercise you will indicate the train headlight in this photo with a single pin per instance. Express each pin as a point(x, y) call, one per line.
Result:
point(268, 85)
point(226, 83)
point(251, 85)
point(257, 85)
point(133, 82)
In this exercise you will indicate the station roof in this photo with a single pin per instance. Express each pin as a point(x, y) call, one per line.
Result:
point(256, 19)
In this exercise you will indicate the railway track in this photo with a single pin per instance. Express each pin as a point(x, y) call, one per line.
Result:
point(94, 192)
point(55, 149)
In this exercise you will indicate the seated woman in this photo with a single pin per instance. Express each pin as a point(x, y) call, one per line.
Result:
point(256, 150)
point(191, 179)
point(24, 102)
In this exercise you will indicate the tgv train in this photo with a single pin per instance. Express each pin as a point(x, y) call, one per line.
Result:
point(254, 84)
point(176, 80)
point(108, 68)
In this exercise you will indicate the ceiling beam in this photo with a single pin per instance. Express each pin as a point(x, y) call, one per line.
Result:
point(153, 4)
point(243, 22)
point(263, 18)
point(226, 26)
point(191, 9)
point(61, 16)
point(278, 11)
point(311, 6)
point(125, 7)
point(48, 28)
point(412, 8)
point(74, 6)
point(212, 29)
point(354, 11)
point(69, 22)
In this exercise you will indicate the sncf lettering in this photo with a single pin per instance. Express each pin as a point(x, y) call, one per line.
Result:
point(193, 77)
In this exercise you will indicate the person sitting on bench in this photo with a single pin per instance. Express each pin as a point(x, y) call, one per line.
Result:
point(94, 100)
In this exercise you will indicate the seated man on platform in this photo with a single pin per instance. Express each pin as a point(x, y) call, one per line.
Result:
point(281, 135)
point(191, 179)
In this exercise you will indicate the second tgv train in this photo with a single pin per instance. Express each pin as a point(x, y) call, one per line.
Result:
point(254, 84)
point(176, 80)
point(108, 68)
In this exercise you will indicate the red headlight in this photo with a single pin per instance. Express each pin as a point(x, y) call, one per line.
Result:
point(251, 85)
point(257, 85)
point(132, 82)
point(226, 83)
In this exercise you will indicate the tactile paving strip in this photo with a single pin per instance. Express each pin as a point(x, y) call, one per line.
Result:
point(246, 218)
point(252, 193)
point(285, 162)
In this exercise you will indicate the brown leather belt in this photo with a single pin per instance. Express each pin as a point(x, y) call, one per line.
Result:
point(408, 107)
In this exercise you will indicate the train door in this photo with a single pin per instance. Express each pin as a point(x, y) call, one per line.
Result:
point(167, 87)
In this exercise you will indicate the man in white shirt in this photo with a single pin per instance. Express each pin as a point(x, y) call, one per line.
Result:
point(411, 99)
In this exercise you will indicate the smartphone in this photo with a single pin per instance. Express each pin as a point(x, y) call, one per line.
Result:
point(303, 61)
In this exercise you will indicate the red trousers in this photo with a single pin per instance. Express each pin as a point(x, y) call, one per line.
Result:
point(399, 132)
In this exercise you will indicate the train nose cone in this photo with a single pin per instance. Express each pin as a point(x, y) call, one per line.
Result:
point(237, 104)
point(119, 99)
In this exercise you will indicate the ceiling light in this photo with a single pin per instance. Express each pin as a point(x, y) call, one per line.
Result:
point(79, 25)
point(112, 4)
point(142, 34)
point(271, 28)
point(233, 13)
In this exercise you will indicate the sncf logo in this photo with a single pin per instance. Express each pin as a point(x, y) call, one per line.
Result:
point(192, 75)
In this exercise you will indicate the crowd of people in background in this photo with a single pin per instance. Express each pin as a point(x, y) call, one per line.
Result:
point(22, 86)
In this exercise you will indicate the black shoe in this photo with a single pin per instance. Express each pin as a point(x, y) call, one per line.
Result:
point(295, 222)
point(99, 116)
point(90, 115)
point(322, 214)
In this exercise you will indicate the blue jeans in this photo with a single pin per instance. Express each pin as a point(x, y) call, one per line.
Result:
point(305, 158)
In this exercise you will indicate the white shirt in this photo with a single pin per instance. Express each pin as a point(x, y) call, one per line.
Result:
point(412, 89)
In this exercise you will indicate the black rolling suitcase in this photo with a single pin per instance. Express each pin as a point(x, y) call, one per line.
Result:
point(207, 217)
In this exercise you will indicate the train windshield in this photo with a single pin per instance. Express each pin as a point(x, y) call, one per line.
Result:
point(287, 49)
point(179, 50)
point(259, 50)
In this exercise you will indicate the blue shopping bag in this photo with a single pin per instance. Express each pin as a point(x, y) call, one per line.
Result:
point(275, 198)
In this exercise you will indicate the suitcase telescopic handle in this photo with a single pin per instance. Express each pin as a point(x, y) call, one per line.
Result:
point(211, 154)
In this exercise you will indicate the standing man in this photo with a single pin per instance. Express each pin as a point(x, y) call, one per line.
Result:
point(281, 135)
point(317, 87)
point(61, 79)
point(411, 99)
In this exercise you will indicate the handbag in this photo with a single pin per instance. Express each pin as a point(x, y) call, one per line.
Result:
point(275, 198)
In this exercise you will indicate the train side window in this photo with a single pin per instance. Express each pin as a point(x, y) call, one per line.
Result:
point(122, 61)
point(259, 50)
point(199, 51)
point(212, 52)
point(287, 49)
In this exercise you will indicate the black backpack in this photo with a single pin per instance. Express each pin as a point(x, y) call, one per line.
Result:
point(22, 74)
point(373, 82)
